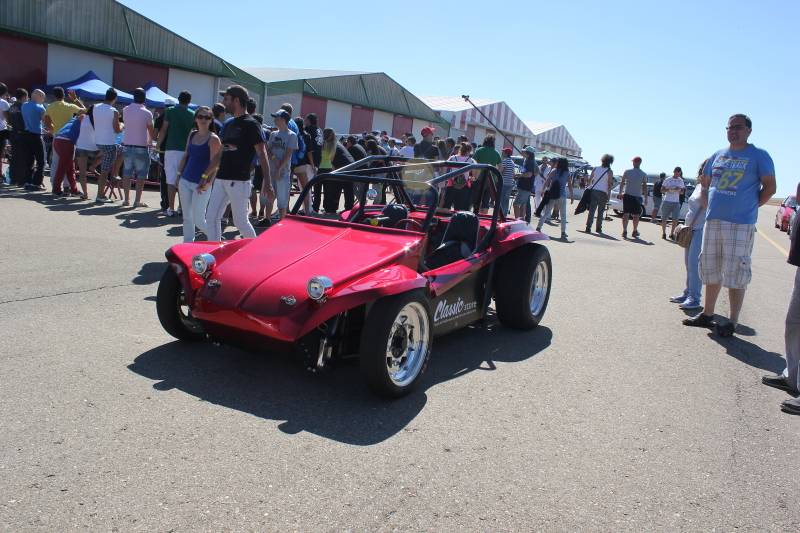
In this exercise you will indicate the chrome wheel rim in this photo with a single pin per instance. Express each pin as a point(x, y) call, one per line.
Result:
point(185, 313)
point(407, 346)
point(539, 287)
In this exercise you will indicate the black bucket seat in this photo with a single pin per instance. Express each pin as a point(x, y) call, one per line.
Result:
point(458, 242)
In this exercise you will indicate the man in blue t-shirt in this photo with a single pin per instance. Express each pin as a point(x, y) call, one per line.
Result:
point(32, 113)
point(736, 181)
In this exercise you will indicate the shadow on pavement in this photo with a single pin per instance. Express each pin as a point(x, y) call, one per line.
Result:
point(750, 354)
point(335, 405)
point(598, 235)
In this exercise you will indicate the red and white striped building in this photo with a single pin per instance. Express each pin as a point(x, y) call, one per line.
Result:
point(466, 120)
point(555, 138)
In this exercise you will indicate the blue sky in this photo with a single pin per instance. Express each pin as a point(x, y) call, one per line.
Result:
point(628, 78)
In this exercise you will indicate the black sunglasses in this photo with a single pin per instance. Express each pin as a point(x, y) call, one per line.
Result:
point(203, 117)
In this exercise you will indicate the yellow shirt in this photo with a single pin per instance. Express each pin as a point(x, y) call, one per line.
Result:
point(60, 112)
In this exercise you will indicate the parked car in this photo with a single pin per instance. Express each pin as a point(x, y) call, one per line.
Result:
point(615, 203)
point(378, 282)
point(785, 211)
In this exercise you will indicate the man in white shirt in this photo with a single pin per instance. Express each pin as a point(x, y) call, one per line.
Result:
point(408, 149)
point(106, 128)
point(139, 134)
point(671, 205)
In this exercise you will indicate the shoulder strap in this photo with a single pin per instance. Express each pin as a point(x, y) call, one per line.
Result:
point(598, 179)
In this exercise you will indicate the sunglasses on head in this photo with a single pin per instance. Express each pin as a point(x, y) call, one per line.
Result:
point(203, 117)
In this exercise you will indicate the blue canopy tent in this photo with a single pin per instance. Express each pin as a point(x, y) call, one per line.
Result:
point(89, 87)
point(155, 97)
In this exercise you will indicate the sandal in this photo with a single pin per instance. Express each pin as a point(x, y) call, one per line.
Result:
point(140, 204)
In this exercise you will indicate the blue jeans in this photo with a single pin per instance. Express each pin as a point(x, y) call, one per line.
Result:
point(694, 286)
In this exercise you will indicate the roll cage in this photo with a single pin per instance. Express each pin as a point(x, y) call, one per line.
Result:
point(392, 176)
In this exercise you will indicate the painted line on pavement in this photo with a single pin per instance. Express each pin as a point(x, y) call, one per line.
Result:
point(780, 248)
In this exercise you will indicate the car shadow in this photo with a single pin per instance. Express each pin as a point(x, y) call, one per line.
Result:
point(335, 405)
point(150, 273)
point(750, 354)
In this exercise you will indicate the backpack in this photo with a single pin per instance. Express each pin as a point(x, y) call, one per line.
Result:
point(299, 155)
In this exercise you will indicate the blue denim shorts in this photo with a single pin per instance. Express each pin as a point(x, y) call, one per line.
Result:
point(136, 161)
point(670, 210)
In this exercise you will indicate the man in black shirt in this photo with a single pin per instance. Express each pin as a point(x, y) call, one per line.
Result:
point(242, 141)
point(315, 150)
point(425, 149)
point(657, 195)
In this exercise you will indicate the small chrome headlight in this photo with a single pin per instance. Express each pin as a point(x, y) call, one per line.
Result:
point(202, 263)
point(318, 287)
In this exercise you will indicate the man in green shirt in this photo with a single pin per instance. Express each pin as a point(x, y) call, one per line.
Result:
point(487, 155)
point(178, 124)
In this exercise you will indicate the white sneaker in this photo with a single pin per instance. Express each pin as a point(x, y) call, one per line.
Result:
point(169, 212)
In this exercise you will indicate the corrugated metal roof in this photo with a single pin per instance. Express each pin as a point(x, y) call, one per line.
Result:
point(369, 89)
point(273, 74)
point(554, 134)
point(110, 27)
point(541, 127)
point(454, 103)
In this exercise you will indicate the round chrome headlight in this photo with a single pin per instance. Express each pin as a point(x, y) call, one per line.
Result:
point(202, 263)
point(318, 286)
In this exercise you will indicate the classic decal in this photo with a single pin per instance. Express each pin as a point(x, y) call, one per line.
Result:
point(447, 311)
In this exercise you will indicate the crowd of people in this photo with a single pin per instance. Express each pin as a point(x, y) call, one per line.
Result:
point(222, 162)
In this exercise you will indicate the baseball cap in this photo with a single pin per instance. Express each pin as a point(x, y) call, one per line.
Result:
point(426, 131)
point(281, 113)
point(637, 158)
point(530, 150)
point(237, 91)
point(508, 151)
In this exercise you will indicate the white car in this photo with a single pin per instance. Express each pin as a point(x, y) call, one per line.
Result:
point(615, 204)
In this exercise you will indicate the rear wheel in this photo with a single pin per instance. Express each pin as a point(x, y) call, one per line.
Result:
point(173, 311)
point(396, 343)
point(522, 286)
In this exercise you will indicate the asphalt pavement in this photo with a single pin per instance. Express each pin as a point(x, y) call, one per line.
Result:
point(610, 416)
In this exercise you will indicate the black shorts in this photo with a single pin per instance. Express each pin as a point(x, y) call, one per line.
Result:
point(631, 205)
point(258, 179)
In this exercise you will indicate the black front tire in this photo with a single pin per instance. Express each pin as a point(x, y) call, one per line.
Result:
point(169, 300)
point(515, 302)
point(377, 341)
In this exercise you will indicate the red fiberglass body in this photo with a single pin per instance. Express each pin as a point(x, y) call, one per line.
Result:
point(258, 286)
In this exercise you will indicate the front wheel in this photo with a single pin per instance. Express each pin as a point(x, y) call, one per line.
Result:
point(396, 343)
point(173, 311)
point(522, 286)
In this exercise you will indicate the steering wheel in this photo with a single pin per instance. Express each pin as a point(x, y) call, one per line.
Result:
point(408, 221)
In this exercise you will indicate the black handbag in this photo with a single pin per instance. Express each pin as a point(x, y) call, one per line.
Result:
point(586, 197)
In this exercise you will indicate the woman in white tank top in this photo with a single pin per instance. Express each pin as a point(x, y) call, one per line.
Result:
point(85, 150)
